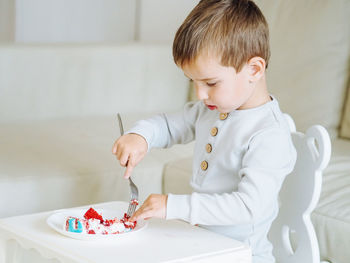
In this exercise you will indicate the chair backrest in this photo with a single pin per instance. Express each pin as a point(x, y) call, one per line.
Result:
point(292, 233)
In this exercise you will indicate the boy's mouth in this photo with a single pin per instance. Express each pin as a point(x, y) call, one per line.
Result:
point(211, 107)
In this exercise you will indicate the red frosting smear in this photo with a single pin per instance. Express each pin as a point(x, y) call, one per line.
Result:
point(91, 213)
point(127, 223)
point(108, 222)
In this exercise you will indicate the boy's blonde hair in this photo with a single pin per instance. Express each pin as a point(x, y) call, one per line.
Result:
point(233, 30)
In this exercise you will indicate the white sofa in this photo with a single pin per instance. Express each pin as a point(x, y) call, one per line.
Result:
point(58, 106)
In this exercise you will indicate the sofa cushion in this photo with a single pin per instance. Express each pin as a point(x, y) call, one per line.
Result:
point(62, 163)
point(331, 217)
point(44, 82)
point(310, 55)
point(176, 176)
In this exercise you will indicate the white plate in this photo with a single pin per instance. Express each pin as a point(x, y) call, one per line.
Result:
point(57, 222)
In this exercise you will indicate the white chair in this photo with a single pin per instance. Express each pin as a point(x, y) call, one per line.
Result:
point(292, 233)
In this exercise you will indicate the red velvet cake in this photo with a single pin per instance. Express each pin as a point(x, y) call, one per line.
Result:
point(93, 223)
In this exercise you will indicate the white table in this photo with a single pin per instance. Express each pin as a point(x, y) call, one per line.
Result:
point(160, 241)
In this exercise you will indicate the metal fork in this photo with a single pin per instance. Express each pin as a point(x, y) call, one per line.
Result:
point(134, 191)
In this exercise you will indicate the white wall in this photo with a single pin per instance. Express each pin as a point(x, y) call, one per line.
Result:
point(75, 21)
point(98, 21)
point(7, 11)
point(160, 19)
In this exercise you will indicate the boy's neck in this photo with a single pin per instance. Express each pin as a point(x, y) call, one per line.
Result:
point(259, 97)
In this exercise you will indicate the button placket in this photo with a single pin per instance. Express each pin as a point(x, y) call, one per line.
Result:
point(209, 146)
point(214, 131)
point(223, 116)
point(204, 165)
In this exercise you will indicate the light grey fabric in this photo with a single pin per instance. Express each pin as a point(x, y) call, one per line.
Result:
point(252, 152)
point(331, 217)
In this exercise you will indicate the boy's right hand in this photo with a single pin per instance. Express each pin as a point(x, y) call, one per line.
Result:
point(130, 150)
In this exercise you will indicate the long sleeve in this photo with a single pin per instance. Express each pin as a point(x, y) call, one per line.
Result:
point(269, 157)
point(165, 130)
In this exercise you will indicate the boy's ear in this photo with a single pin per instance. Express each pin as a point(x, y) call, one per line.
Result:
point(256, 68)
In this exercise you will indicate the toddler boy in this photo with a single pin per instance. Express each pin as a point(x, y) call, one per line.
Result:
point(243, 149)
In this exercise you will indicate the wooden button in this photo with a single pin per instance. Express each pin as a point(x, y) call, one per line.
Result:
point(204, 165)
point(214, 131)
point(223, 116)
point(208, 148)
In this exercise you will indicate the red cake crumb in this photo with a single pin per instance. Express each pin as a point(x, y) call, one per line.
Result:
point(91, 213)
point(134, 202)
point(126, 217)
point(127, 223)
point(108, 222)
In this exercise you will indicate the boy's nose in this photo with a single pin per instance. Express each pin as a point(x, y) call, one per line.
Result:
point(201, 92)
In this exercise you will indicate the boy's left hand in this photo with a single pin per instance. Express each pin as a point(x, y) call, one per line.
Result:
point(154, 206)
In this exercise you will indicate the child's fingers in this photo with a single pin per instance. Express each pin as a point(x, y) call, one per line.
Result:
point(128, 171)
point(142, 213)
point(114, 148)
point(135, 216)
point(117, 149)
point(131, 163)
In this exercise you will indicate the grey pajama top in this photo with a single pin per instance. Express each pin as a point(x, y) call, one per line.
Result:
point(240, 161)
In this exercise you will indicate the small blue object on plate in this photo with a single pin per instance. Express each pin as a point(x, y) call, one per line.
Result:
point(74, 225)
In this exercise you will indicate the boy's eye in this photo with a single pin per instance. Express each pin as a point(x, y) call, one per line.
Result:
point(211, 84)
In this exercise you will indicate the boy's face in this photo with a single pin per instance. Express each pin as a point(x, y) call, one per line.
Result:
point(219, 87)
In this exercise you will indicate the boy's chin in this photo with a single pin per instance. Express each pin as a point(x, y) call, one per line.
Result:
point(225, 110)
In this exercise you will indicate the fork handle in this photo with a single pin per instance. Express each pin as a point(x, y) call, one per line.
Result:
point(121, 128)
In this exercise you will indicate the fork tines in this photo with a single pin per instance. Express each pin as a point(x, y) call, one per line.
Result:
point(133, 204)
point(132, 208)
